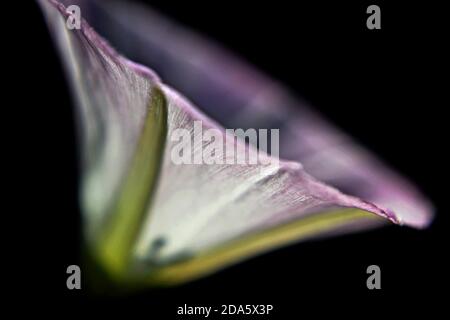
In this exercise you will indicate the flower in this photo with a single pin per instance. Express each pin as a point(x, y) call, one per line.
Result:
point(148, 220)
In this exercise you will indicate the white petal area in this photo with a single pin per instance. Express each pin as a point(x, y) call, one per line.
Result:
point(199, 207)
point(239, 96)
point(112, 95)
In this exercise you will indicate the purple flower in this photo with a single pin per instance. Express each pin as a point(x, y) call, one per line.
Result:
point(149, 220)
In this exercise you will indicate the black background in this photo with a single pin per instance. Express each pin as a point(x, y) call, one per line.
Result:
point(381, 86)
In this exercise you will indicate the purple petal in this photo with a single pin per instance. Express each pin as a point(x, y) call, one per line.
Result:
point(198, 210)
point(240, 97)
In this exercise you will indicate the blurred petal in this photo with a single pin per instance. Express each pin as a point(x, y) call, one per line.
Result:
point(245, 98)
point(148, 219)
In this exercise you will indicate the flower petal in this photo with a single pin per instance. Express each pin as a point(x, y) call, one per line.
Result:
point(148, 219)
point(241, 97)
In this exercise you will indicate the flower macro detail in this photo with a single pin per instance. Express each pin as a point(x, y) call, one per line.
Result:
point(148, 220)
